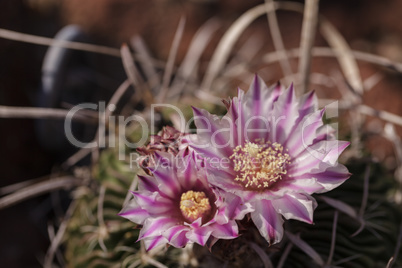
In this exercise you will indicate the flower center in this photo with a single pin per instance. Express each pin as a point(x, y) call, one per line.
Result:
point(194, 205)
point(259, 165)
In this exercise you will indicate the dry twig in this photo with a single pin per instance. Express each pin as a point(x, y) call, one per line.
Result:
point(277, 40)
point(228, 40)
point(333, 239)
point(39, 188)
point(170, 62)
point(34, 39)
point(46, 113)
point(310, 19)
point(191, 60)
point(344, 55)
point(55, 243)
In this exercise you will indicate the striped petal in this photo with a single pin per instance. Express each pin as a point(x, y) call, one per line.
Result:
point(200, 235)
point(155, 226)
point(134, 213)
point(268, 221)
point(237, 208)
point(176, 235)
point(165, 175)
point(306, 183)
point(313, 156)
point(304, 133)
point(284, 116)
point(188, 174)
point(308, 104)
point(153, 203)
point(237, 115)
point(225, 231)
point(152, 242)
point(296, 206)
point(213, 132)
point(148, 183)
point(331, 176)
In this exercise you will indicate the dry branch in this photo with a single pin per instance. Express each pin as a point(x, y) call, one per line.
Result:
point(39, 40)
point(171, 60)
point(40, 188)
point(307, 40)
point(277, 40)
point(46, 113)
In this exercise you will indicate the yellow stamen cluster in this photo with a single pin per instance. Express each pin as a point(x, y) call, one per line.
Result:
point(259, 165)
point(194, 205)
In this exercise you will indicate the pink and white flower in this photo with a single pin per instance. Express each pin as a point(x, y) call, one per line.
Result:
point(177, 205)
point(272, 151)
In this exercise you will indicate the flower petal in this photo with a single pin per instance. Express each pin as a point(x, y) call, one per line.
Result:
point(304, 133)
point(337, 147)
point(236, 208)
point(224, 180)
point(306, 183)
point(313, 156)
point(296, 206)
point(153, 203)
point(165, 175)
point(152, 242)
point(199, 235)
point(237, 115)
point(308, 104)
point(189, 173)
point(148, 183)
point(155, 226)
point(213, 132)
point(176, 235)
point(225, 231)
point(134, 213)
point(268, 221)
point(283, 116)
point(259, 99)
point(331, 177)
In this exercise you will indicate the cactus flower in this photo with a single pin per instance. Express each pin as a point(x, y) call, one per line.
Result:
point(176, 205)
point(272, 151)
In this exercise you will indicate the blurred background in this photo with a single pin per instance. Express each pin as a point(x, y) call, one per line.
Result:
point(30, 149)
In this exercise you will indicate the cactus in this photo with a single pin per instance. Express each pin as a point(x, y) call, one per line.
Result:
point(97, 237)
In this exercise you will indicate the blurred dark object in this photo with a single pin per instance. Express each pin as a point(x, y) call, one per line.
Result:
point(69, 78)
point(66, 78)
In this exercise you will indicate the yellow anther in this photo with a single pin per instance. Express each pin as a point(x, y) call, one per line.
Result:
point(259, 165)
point(194, 205)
